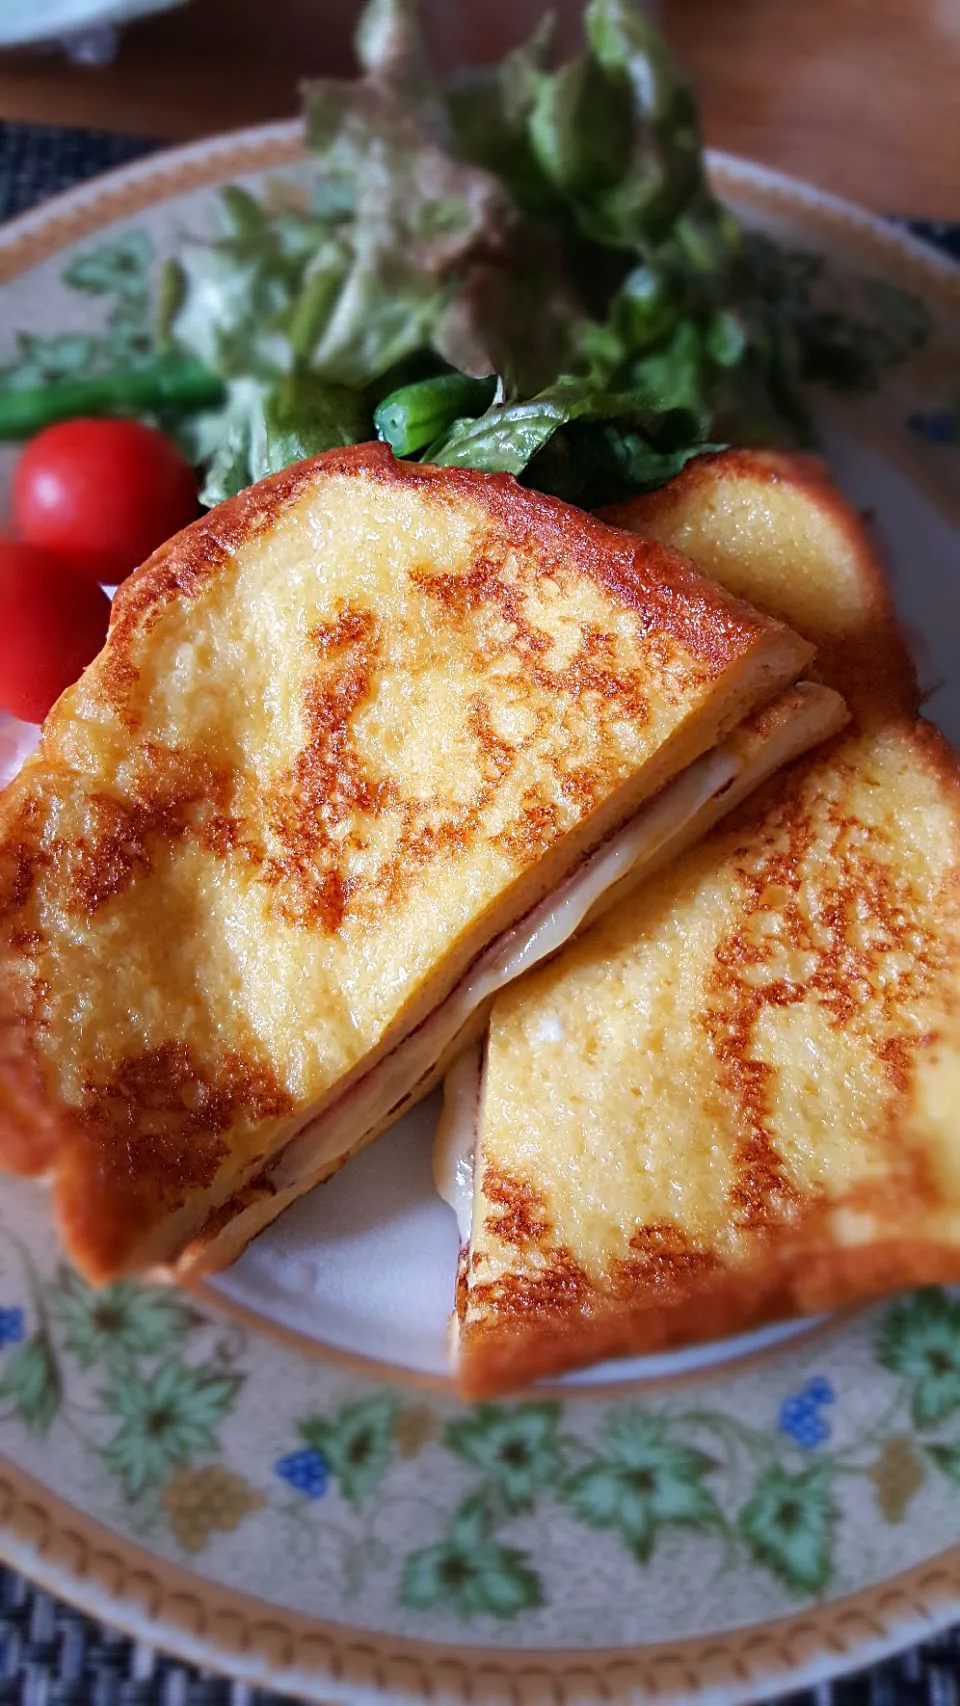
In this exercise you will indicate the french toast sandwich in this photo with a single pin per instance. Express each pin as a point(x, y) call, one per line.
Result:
point(347, 732)
point(736, 1097)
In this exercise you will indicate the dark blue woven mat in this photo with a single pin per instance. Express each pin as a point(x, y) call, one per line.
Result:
point(37, 160)
point(52, 1655)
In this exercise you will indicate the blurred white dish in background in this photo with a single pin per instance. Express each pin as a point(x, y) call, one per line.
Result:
point(77, 23)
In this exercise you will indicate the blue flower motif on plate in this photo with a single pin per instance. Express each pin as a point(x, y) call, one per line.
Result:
point(306, 1471)
point(11, 1326)
point(800, 1418)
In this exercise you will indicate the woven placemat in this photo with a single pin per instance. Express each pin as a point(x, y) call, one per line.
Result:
point(51, 1654)
point(39, 160)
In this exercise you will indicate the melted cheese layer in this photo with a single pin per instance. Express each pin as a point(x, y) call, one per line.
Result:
point(806, 714)
point(455, 1145)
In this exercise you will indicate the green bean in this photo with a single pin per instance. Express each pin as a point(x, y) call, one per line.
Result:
point(175, 381)
point(419, 414)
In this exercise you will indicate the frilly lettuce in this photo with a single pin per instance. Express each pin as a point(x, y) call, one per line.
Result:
point(551, 227)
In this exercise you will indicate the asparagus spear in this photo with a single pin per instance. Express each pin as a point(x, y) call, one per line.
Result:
point(172, 381)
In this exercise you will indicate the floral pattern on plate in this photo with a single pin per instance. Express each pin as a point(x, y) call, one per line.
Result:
point(144, 1381)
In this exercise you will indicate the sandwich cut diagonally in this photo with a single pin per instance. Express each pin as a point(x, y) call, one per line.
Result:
point(348, 731)
point(737, 1096)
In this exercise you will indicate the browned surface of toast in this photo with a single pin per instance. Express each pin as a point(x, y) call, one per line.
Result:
point(738, 1098)
point(810, 558)
point(344, 729)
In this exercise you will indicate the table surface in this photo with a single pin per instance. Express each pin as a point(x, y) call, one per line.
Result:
point(859, 96)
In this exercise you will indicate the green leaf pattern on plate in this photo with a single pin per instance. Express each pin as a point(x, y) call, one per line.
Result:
point(166, 1419)
point(122, 272)
point(649, 1480)
point(698, 1471)
point(947, 1459)
point(481, 1576)
point(788, 1526)
point(357, 1445)
point(921, 1341)
point(148, 1382)
point(515, 1447)
point(31, 1379)
point(153, 1410)
point(119, 1323)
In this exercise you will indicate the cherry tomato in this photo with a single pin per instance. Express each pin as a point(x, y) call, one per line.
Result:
point(51, 624)
point(102, 494)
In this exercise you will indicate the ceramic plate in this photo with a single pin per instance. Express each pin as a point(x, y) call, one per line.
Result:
point(272, 1475)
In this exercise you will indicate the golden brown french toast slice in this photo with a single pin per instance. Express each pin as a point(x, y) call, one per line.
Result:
point(346, 730)
point(737, 1097)
point(773, 528)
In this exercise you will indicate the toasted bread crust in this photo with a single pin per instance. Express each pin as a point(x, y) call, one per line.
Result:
point(780, 1283)
point(190, 865)
point(863, 655)
point(672, 594)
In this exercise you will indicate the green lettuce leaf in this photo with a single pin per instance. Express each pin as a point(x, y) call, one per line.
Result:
point(303, 416)
point(545, 229)
point(421, 217)
point(236, 295)
point(489, 111)
point(615, 131)
point(228, 441)
point(264, 429)
point(578, 441)
point(509, 435)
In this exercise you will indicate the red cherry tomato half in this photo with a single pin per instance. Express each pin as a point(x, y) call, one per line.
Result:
point(51, 625)
point(102, 494)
